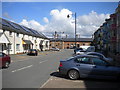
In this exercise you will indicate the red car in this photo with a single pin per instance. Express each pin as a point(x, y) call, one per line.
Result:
point(4, 60)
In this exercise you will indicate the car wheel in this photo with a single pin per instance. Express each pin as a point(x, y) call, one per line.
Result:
point(73, 74)
point(6, 64)
point(118, 78)
point(36, 54)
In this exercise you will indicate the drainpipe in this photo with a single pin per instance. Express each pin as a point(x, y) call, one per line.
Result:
point(14, 42)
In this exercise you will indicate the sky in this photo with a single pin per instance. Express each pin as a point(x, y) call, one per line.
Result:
point(48, 17)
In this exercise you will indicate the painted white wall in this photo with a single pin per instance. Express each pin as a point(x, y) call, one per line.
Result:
point(14, 39)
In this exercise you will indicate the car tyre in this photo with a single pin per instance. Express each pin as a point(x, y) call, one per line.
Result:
point(73, 74)
point(6, 64)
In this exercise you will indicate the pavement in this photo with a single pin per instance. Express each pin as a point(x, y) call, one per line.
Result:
point(57, 81)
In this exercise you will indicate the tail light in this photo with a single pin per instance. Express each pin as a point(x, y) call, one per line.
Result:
point(60, 64)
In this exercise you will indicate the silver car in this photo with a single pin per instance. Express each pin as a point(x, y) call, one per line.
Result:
point(100, 55)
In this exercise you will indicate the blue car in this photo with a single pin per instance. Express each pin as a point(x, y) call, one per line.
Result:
point(84, 66)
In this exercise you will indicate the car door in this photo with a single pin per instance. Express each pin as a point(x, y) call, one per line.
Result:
point(84, 65)
point(102, 68)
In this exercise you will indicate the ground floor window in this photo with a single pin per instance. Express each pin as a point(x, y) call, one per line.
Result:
point(10, 46)
point(17, 47)
point(26, 46)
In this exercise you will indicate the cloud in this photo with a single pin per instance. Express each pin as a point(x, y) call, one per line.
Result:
point(45, 19)
point(32, 24)
point(59, 22)
point(86, 24)
point(6, 15)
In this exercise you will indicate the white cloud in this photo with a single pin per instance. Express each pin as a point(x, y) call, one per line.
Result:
point(32, 24)
point(86, 24)
point(45, 19)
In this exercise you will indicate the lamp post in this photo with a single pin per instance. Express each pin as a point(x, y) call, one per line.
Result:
point(75, 25)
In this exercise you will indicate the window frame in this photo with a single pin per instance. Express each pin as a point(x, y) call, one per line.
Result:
point(17, 34)
point(106, 63)
point(10, 33)
point(76, 61)
point(17, 48)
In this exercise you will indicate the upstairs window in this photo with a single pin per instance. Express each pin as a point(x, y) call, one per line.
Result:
point(17, 34)
point(10, 33)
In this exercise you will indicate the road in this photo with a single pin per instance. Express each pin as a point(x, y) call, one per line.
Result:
point(41, 72)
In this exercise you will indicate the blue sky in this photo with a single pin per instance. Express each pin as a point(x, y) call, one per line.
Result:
point(37, 10)
point(27, 13)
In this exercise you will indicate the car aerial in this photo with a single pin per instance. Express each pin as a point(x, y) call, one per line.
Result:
point(100, 55)
point(5, 60)
point(84, 66)
point(32, 52)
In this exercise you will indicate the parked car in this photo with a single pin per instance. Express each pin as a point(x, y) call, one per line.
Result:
point(100, 55)
point(76, 49)
point(88, 48)
point(55, 49)
point(80, 52)
point(84, 66)
point(5, 60)
point(32, 52)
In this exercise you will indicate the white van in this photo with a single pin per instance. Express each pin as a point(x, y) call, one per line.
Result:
point(85, 49)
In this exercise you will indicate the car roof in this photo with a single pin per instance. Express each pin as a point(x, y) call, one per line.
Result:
point(94, 53)
point(85, 55)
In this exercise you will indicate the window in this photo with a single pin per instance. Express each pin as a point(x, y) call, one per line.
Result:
point(84, 60)
point(17, 34)
point(10, 46)
point(83, 44)
point(98, 61)
point(10, 33)
point(17, 47)
point(100, 56)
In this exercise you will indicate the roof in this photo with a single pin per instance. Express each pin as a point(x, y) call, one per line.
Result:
point(3, 38)
point(85, 55)
point(27, 42)
point(14, 27)
point(73, 39)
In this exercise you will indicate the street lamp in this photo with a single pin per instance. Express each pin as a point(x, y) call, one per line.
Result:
point(75, 25)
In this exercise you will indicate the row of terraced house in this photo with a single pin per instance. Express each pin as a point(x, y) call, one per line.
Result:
point(107, 37)
point(15, 38)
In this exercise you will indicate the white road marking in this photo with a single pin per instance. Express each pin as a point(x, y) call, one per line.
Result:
point(46, 82)
point(22, 68)
point(51, 78)
point(20, 60)
point(42, 61)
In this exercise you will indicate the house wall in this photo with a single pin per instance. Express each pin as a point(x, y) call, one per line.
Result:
point(16, 45)
point(67, 45)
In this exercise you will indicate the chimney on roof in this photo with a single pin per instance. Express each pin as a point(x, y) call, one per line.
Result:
point(66, 36)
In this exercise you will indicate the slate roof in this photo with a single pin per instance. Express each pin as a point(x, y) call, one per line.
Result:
point(14, 27)
point(73, 39)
